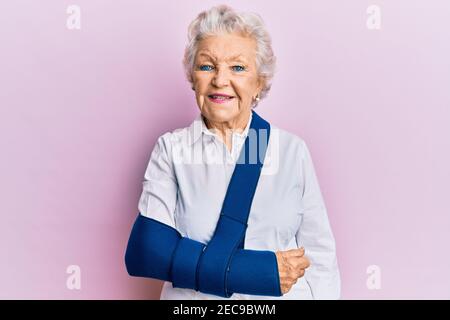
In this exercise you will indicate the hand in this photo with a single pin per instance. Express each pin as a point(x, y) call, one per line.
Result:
point(291, 266)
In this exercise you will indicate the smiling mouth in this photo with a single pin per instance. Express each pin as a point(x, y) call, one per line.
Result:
point(211, 96)
point(220, 99)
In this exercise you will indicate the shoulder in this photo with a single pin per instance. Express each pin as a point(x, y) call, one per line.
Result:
point(173, 139)
point(178, 135)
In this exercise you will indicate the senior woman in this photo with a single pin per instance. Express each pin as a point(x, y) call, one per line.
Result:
point(213, 222)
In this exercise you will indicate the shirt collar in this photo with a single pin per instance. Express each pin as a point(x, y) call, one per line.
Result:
point(199, 128)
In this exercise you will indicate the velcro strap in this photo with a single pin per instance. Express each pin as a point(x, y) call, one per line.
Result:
point(184, 264)
point(215, 260)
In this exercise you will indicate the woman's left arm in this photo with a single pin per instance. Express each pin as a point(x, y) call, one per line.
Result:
point(315, 235)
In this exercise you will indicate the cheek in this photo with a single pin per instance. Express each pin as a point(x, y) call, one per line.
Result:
point(200, 100)
point(244, 89)
point(199, 96)
point(201, 83)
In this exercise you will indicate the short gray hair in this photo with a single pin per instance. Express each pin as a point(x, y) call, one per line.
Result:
point(223, 19)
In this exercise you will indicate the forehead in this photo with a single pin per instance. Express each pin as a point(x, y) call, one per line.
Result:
point(227, 47)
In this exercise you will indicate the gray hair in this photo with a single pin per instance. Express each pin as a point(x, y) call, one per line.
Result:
point(223, 19)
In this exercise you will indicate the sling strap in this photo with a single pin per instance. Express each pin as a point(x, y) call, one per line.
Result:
point(230, 231)
point(222, 267)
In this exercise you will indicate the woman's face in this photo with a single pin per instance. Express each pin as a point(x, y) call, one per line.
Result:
point(226, 64)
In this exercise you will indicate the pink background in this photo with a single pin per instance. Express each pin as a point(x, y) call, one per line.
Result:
point(80, 111)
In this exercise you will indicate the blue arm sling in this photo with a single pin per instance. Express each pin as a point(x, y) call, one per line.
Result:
point(221, 267)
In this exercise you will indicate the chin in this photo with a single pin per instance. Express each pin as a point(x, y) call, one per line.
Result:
point(224, 113)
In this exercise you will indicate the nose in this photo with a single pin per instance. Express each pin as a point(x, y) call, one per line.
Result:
point(221, 77)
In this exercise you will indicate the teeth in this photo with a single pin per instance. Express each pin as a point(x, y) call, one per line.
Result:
point(220, 97)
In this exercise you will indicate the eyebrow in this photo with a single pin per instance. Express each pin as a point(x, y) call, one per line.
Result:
point(237, 57)
point(206, 55)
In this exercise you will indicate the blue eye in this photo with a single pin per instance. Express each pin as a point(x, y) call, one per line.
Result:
point(205, 67)
point(238, 68)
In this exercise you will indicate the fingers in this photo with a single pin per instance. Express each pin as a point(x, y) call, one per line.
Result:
point(295, 260)
point(302, 273)
point(288, 260)
point(300, 263)
point(294, 252)
point(288, 280)
point(291, 267)
point(289, 276)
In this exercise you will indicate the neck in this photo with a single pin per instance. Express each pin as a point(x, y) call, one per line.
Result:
point(225, 129)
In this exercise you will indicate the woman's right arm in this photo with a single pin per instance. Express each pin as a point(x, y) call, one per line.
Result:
point(157, 250)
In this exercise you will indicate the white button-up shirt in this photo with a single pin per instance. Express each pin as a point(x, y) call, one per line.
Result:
point(185, 185)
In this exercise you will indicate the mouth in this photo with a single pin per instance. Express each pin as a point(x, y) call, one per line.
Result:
point(220, 98)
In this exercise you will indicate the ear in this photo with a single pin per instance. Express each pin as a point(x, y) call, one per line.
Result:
point(261, 84)
point(192, 80)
